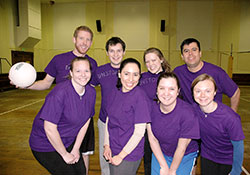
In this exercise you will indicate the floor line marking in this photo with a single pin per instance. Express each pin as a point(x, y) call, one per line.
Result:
point(245, 99)
point(245, 171)
point(6, 112)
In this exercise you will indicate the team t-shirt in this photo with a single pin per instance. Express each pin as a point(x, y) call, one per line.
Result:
point(148, 82)
point(225, 85)
point(124, 111)
point(106, 76)
point(64, 107)
point(217, 129)
point(181, 122)
point(59, 66)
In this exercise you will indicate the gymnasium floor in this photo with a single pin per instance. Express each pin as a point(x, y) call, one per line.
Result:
point(18, 109)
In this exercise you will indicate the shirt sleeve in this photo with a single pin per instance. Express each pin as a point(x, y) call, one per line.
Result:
point(234, 128)
point(52, 109)
point(229, 87)
point(51, 67)
point(94, 79)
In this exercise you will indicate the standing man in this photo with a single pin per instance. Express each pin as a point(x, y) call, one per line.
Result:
point(58, 69)
point(59, 66)
point(106, 76)
point(191, 55)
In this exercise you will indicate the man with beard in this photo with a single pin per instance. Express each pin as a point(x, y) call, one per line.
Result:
point(58, 68)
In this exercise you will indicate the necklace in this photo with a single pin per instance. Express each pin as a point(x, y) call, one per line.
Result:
point(211, 109)
point(205, 115)
point(81, 94)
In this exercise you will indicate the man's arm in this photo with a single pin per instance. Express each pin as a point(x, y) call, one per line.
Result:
point(235, 100)
point(42, 84)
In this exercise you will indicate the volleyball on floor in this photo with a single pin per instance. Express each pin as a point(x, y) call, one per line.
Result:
point(22, 74)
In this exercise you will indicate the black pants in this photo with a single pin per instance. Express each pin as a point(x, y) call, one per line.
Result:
point(55, 164)
point(209, 167)
point(88, 143)
point(147, 155)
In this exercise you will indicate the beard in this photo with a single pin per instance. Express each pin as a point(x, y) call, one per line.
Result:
point(81, 51)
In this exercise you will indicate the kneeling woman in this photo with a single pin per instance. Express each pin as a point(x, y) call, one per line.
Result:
point(61, 124)
point(172, 130)
point(128, 114)
point(220, 129)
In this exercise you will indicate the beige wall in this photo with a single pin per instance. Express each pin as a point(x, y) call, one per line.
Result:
point(218, 24)
point(6, 32)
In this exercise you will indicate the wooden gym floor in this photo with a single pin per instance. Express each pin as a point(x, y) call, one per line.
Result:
point(18, 109)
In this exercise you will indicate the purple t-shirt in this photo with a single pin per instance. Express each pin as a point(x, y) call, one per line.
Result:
point(59, 66)
point(225, 85)
point(65, 108)
point(107, 77)
point(217, 129)
point(148, 82)
point(124, 111)
point(179, 123)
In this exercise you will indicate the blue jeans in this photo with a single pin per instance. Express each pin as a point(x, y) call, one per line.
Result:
point(185, 167)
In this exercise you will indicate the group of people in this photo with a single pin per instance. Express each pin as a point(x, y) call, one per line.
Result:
point(168, 117)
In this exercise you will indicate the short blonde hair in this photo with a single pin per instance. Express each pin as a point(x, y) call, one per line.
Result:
point(83, 28)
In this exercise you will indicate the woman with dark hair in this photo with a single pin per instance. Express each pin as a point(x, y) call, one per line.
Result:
point(172, 130)
point(61, 124)
point(128, 114)
point(222, 146)
point(156, 64)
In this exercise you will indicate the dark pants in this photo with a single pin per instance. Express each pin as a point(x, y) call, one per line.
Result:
point(88, 143)
point(147, 155)
point(55, 164)
point(209, 167)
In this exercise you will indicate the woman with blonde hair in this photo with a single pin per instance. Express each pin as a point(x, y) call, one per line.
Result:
point(156, 64)
point(61, 124)
point(221, 132)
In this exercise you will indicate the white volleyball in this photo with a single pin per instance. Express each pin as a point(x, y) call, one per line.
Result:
point(22, 74)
